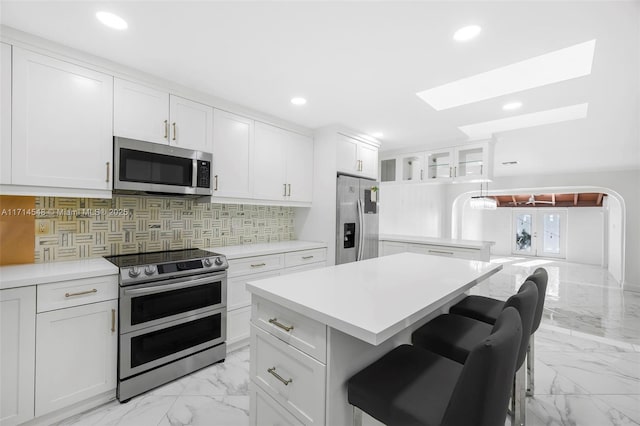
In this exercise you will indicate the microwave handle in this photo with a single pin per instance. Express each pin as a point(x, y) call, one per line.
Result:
point(194, 175)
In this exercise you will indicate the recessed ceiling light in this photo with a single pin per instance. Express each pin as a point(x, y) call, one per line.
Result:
point(467, 33)
point(298, 101)
point(112, 20)
point(559, 65)
point(488, 128)
point(511, 106)
point(377, 135)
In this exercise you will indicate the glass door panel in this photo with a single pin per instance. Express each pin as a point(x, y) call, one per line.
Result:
point(439, 165)
point(412, 168)
point(552, 238)
point(470, 162)
point(388, 170)
point(523, 241)
point(539, 232)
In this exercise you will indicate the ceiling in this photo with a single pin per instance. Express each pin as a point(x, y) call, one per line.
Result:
point(584, 199)
point(360, 64)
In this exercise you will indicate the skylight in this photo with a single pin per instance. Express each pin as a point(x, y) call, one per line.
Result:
point(487, 128)
point(560, 65)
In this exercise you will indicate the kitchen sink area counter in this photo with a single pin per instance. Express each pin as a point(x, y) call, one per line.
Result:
point(310, 332)
point(465, 249)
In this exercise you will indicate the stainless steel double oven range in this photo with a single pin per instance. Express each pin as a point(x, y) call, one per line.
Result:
point(172, 316)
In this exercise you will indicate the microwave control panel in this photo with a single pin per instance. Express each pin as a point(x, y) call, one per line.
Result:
point(204, 174)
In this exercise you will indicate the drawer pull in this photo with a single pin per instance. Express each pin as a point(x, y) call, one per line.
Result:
point(307, 257)
point(257, 265)
point(80, 293)
point(275, 322)
point(441, 252)
point(113, 320)
point(272, 371)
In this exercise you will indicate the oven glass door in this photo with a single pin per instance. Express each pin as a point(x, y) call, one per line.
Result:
point(154, 346)
point(150, 304)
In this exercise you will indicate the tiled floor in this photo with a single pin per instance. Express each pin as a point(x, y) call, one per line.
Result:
point(587, 361)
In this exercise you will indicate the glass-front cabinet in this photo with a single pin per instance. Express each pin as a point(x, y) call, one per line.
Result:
point(465, 163)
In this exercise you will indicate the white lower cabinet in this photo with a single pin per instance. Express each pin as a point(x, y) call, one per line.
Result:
point(387, 248)
point(292, 378)
point(17, 354)
point(76, 353)
point(269, 412)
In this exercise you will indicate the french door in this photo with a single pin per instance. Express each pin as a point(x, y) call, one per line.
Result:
point(539, 232)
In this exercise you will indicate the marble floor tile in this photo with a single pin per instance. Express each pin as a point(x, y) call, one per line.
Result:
point(208, 411)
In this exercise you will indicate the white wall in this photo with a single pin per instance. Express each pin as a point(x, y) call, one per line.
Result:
point(489, 225)
point(585, 235)
point(412, 210)
point(614, 243)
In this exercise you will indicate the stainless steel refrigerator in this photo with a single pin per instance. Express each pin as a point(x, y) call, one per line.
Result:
point(357, 219)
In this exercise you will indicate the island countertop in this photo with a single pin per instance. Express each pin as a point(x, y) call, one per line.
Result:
point(374, 299)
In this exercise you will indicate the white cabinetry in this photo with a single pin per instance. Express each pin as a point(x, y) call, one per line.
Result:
point(283, 166)
point(76, 346)
point(5, 113)
point(152, 115)
point(17, 354)
point(61, 124)
point(232, 155)
point(252, 268)
point(461, 251)
point(356, 157)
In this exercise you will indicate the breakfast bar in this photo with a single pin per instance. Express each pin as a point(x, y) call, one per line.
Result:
point(311, 331)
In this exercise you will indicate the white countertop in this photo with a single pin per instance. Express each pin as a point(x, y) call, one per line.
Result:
point(42, 273)
point(446, 242)
point(374, 299)
point(248, 250)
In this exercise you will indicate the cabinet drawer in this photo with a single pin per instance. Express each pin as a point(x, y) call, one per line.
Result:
point(292, 378)
point(265, 411)
point(238, 322)
point(303, 257)
point(252, 265)
point(237, 294)
point(305, 267)
point(457, 252)
point(299, 331)
point(76, 292)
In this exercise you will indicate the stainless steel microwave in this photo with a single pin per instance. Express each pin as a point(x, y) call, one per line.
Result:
point(151, 168)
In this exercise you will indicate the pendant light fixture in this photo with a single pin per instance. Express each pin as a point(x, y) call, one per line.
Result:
point(480, 202)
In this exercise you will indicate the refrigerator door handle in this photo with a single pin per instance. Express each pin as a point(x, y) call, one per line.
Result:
point(360, 230)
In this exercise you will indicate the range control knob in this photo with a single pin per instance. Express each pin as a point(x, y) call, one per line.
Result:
point(150, 270)
point(207, 262)
point(134, 272)
point(218, 261)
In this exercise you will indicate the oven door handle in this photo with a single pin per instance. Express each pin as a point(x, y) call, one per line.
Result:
point(173, 285)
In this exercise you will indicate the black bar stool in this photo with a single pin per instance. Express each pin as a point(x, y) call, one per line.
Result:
point(487, 310)
point(455, 336)
point(411, 386)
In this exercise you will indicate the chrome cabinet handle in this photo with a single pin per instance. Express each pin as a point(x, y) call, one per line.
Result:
point(108, 172)
point(113, 320)
point(166, 129)
point(307, 257)
point(450, 170)
point(216, 183)
point(275, 322)
point(174, 131)
point(285, 189)
point(80, 293)
point(257, 265)
point(421, 174)
point(272, 371)
point(441, 252)
point(481, 167)
point(455, 171)
point(289, 194)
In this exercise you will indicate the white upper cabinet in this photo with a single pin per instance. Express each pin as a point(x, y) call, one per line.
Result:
point(357, 157)
point(140, 112)
point(232, 154)
point(283, 165)
point(61, 123)
point(5, 113)
point(191, 124)
point(151, 115)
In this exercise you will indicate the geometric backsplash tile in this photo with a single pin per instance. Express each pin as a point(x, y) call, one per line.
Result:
point(79, 228)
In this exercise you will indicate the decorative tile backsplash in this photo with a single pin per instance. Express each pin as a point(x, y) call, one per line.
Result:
point(77, 228)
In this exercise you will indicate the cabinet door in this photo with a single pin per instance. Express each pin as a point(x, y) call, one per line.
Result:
point(347, 151)
point(62, 123)
point(140, 112)
point(368, 156)
point(191, 124)
point(232, 147)
point(269, 162)
point(5, 113)
point(299, 168)
point(75, 354)
point(440, 165)
point(472, 163)
point(17, 354)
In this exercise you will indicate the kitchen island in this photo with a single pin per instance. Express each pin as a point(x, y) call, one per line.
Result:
point(311, 331)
